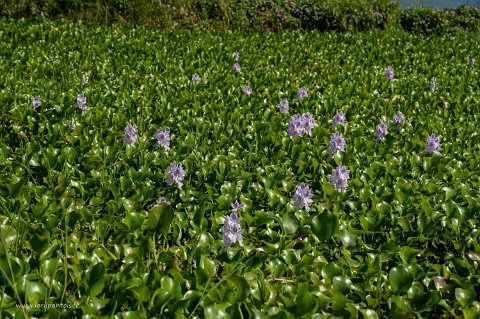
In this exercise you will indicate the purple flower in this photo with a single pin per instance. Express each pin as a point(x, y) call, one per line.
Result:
point(389, 73)
point(303, 197)
point(337, 143)
point(159, 201)
point(130, 133)
point(72, 124)
point(339, 178)
point(433, 145)
point(84, 81)
point(176, 174)
point(283, 106)
point(36, 102)
point(232, 232)
point(195, 78)
point(163, 139)
point(338, 119)
point(433, 85)
point(236, 206)
point(236, 56)
point(302, 93)
point(247, 90)
point(381, 131)
point(300, 124)
point(398, 118)
point(82, 102)
point(236, 67)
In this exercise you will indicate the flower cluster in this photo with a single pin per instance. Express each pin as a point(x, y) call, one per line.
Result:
point(302, 93)
point(130, 134)
point(72, 124)
point(84, 81)
point(339, 178)
point(398, 118)
point(338, 119)
point(196, 78)
point(433, 145)
point(247, 90)
point(381, 131)
point(236, 56)
point(389, 73)
point(176, 174)
point(433, 85)
point(469, 60)
point(232, 232)
point(159, 201)
point(283, 106)
point(303, 197)
point(336, 144)
point(163, 139)
point(236, 206)
point(36, 102)
point(301, 124)
point(236, 67)
point(82, 102)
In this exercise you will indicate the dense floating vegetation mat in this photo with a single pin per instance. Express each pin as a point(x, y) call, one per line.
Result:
point(207, 175)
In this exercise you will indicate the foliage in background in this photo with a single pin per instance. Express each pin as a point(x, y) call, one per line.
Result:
point(257, 15)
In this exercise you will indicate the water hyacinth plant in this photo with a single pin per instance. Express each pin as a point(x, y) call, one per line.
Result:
point(163, 139)
point(82, 102)
point(236, 67)
point(303, 197)
point(236, 56)
point(389, 73)
point(302, 93)
point(130, 135)
point(232, 231)
point(196, 78)
point(283, 106)
point(237, 206)
point(339, 178)
point(398, 118)
point(338, 119)
point(36, 102)
point(381, 131)
point(433, 145)
point(300, 125)
point(247, 90)
point(336, 144)
point(176, 174)
point(433, 85)
point(71, 124)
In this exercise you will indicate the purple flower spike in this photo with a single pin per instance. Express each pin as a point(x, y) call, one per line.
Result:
point(301, 124)
point(163, 139)
point(130, 134)
point(283, 106)
point(433, 85)
point(389, 73)
point(236, 67)
point(82, 102)
point(302, 93)
point(338, 119)
point(303, 197)
point(236, 206)
point(247, 90)
point(398, 118)
point(36, 102)
point(381, 131)
point(337, 144)
point(433, 145)
point(176, 174)
point(232, 232)
point(339, 178)
point(72, 124)
point(196, 78)
point(236, 56)
point(308, 123)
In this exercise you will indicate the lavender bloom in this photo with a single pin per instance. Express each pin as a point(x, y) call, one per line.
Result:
point(308, 123)
point(389, 73)
point(433, 85)
point(236, 56)
point(130, 133)
point(159, 201)
point(232, 232)
point(236, 67)
point(36, 102)
point(381, 131)
point(338, 119)
point(176, 174)
point(339, 178)
point(196, 78)
point(163, 139)
point(398, 118)
point(283, 106)
point(72, 124)
point(247, 90)
point(82, 102)
point(236, 206)
point(84, 81)
point(337, 143)
point(302, 93)
point(433, 145)
point(303, 197)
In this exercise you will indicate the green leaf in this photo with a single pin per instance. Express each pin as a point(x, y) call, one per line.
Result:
point(465, 296)
point(290, 224)
point(134, 220)
point(400, 278)
point(324, 225)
